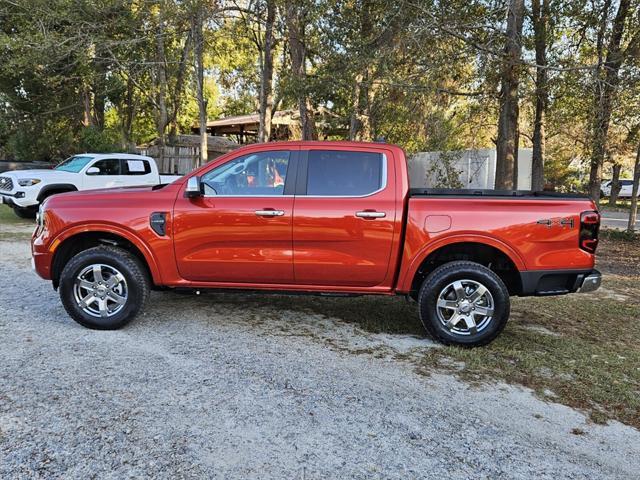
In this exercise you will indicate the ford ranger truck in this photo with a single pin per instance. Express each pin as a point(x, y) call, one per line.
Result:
point(24, 190)
point(333, 218)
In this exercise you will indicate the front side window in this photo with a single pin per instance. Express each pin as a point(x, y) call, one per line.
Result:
point(337, 173)
point(74, 164)
point(256, 174)
point(108, 166)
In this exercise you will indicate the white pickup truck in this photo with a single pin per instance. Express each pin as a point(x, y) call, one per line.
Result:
point(25, 190)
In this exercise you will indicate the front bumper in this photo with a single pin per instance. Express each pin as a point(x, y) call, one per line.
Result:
point(559, 282)
point(18, 199)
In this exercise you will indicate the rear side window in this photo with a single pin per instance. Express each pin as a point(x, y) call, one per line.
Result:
point(108, 166)
point(336, 173)
point(135, 167)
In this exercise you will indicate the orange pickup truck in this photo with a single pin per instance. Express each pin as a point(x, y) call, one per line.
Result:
point(331, 218)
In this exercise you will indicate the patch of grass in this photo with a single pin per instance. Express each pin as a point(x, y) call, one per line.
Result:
point(8, 217)
point(13, 236)
point(622, 205)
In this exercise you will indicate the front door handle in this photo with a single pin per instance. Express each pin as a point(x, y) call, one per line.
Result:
point(370, 214)
point(269, 213)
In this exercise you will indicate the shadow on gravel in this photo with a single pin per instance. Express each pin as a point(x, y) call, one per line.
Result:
point(393, 315)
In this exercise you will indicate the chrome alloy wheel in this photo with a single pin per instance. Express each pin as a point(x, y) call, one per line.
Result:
point(100, 290)
point(465, 307)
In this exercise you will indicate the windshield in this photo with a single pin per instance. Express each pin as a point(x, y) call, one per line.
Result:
point(74, 164)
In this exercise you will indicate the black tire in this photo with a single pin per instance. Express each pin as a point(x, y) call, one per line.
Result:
point(137, 286)
point(28, 212)
point(439, 282)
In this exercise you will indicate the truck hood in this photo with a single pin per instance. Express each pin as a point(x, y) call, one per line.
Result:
point(48, 176)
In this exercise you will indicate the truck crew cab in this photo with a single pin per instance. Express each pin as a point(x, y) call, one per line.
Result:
point(317, 217)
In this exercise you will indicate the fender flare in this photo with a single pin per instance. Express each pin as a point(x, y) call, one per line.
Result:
point(431, 247)
point(116, 230)
point(65, 187)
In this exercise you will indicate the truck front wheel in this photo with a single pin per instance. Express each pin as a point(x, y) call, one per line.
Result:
point(463, 303)
point(104, 287)
point(26, 212)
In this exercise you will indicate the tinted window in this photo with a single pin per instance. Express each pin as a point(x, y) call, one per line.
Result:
point(626, 182)
point(135, 167)
point(338, 173)
point(257, 174)
point(109, 166)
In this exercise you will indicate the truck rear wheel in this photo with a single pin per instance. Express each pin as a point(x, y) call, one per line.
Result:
point(463, 303)
point(104, 287)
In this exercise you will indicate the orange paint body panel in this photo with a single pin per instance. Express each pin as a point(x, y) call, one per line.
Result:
point(373, 243)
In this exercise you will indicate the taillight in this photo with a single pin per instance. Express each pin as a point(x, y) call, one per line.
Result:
point(589, 226)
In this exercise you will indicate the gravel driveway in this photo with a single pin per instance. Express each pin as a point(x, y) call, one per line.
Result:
point(206, 387)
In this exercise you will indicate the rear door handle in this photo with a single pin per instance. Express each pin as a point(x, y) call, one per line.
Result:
point(370, 214)
point(269, 213)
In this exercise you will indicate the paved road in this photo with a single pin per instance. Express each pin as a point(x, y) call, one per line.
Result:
point(618, 220)
point(209, 387)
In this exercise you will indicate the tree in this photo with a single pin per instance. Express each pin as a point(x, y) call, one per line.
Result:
point(507, 142)
point(633, 212)
point(198, 50)
point(606, 85)
point(296, 24)
point(540, 16)
point(266, 74)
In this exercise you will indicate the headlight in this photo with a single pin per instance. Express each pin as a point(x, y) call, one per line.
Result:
point(40, 217)
point(27, 182)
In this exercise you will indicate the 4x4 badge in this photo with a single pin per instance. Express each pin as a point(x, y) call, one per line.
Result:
point(561, 222)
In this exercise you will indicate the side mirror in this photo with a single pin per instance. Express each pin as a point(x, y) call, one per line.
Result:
point(93, 171)
point(194, 188)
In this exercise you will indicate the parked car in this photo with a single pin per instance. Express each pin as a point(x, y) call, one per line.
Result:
point(626, 189)
point(330, 218)
point(24, 190)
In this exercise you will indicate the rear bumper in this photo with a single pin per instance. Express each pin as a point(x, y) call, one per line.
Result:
point(559, 282)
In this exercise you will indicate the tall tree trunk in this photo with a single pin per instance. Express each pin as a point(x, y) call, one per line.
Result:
point(616, 186)
point(605, 91)
point(87, 117)
point(507, 144)
point(363, 90)
point(198, 39)
point(127, 118)
point(634, 193)
point(266, 76)
point(356, 123)
point(540, 14)
point(162, 116)
point(294, 15)
point(179, 85)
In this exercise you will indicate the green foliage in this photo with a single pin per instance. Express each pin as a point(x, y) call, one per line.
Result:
point(92, 139)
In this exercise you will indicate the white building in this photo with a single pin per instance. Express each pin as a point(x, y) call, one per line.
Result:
point(477, 168)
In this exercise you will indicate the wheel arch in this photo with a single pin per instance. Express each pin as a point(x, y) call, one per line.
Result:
point(54, 188)
point(486, 251)
point(76, 240)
